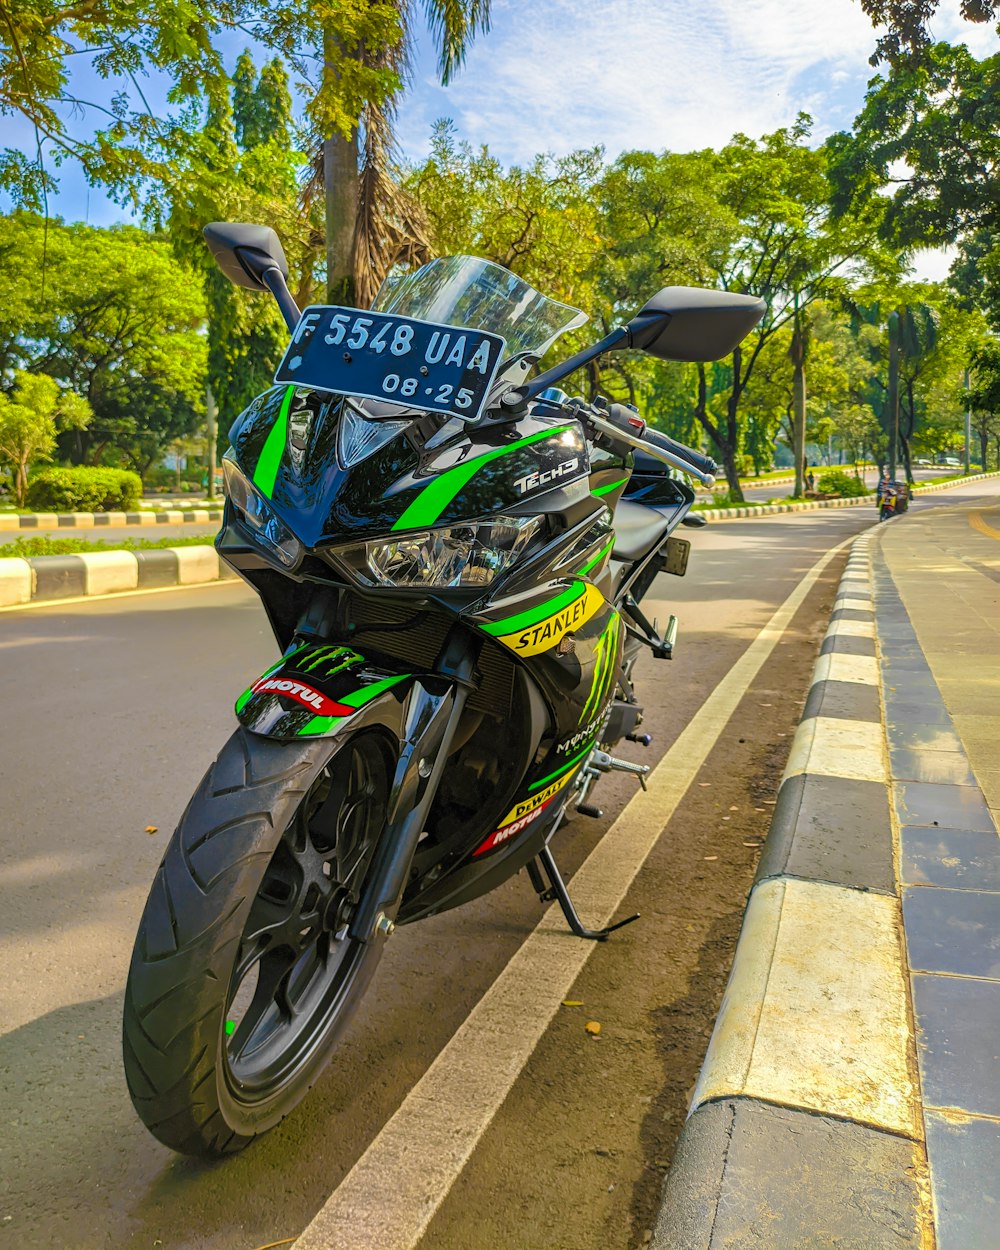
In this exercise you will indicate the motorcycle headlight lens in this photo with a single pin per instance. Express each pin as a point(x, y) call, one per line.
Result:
point(258, 516)
point(458, 555)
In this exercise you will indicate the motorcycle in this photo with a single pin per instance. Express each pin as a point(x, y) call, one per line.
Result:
point(452, 557)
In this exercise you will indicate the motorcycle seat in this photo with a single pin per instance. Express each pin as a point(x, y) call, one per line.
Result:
point(638, 529)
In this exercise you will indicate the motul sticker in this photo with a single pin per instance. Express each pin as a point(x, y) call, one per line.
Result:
point(314, 700)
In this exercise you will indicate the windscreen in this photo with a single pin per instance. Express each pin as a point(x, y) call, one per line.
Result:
point(469, 291)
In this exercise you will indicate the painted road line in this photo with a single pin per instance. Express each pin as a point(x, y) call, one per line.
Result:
point(978, 522)
point(392, 1192)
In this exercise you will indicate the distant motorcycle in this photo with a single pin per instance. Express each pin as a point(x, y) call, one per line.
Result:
point(887, 503)
point(452, 559)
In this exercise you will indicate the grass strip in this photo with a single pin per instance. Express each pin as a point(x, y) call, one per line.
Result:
point(42, 545)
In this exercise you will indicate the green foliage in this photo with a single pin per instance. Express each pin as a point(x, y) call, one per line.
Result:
point(30, 418)
point(906, 37)
point(84, 490)
point(114, 317)
point(42, 545)
point(837, 482)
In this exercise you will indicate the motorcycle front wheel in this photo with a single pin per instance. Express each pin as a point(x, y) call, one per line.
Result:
point(243, 972)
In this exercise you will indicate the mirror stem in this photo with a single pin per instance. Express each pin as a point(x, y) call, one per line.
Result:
point(617, 338)
point(276, 284)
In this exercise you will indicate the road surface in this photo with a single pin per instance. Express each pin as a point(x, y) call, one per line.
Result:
point(113, 709)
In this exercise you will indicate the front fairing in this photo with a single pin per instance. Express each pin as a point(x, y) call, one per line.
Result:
point(286, 442)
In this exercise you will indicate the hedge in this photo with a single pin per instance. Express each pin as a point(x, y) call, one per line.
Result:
point(84, 490)
point(837, 482)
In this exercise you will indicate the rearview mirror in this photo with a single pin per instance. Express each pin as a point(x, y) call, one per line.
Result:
point(252, 257)
point(693, 324)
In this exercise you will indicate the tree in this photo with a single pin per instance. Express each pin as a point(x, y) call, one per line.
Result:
point(112, 315)
point(983, 397)
point(907, 37)
point(30, 417)
point(928, 140)
point(371, 224)
point(127, 39)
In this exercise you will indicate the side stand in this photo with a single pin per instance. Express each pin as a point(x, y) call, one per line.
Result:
point(556, 892)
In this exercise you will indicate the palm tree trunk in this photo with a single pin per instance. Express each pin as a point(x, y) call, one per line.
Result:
point(797, 351)
point(340, 186)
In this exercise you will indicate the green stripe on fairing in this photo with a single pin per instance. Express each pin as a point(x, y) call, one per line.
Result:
point(597, 559)
point(437, 495)
point(266, 472)
point(358, 699)
point(532, 616)
point(607, 489)
point(564, 768)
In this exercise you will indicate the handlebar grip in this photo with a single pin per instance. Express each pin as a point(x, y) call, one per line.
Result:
point(705, 463)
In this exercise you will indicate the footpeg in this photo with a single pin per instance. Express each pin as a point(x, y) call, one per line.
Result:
point(585, 809)
point(611, 764)
point(642, 739)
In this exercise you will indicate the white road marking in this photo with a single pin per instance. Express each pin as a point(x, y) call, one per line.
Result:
point(391, 1194)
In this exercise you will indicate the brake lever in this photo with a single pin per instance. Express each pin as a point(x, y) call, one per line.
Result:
point(610, 430)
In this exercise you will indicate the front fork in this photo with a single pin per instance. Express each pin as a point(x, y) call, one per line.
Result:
point(432, 718)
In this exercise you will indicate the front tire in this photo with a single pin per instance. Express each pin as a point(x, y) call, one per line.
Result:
point(243, 972)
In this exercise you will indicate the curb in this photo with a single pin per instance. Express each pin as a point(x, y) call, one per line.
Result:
point(805, 1126)
point(46, 579)
point(95, 520)
point(769, 509)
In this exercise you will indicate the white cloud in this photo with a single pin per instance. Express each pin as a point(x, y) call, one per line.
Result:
point(649, 73)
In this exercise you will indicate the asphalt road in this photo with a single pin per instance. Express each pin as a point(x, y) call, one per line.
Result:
point(113, 709)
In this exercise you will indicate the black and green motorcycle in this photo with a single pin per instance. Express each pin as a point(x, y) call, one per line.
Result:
point(452, 557)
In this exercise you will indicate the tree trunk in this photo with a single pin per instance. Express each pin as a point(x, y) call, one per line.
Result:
point(724, 445)
point(983, 445)
point(797, 352)
point(340, 187)
point(892, 399)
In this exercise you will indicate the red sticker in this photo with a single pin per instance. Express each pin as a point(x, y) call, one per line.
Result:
point(499, 836)
point(314, 700)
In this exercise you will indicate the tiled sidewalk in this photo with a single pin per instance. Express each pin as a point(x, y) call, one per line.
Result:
point(937, 585)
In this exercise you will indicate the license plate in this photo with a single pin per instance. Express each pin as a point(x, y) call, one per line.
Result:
point(419, 364)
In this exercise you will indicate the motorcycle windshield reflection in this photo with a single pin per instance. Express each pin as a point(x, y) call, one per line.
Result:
point(481, 295)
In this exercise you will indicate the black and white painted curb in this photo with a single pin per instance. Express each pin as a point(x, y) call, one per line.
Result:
point(102, 520)
point(805, 1126)
point(811, 505)
point(48, 578)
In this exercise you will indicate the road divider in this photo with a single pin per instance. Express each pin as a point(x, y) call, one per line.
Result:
point(805, 1124)
point(809, 505)
point(43, 579)
point(104, 520)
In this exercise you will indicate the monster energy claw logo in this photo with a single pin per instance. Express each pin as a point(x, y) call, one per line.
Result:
point(325, 662)
point(605, 654)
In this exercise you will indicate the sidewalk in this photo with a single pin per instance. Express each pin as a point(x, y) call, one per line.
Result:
point(850, 1095)
point(938, 611)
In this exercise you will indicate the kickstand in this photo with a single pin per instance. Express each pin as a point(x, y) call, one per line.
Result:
point(556, 892)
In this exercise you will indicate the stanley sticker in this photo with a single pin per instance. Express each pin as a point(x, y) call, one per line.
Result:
point(542, 635)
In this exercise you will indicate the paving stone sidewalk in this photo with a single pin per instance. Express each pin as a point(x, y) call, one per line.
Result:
point(851, 1091)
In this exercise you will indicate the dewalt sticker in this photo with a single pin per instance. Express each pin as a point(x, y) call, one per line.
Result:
point(544, 634)
point(536, 800)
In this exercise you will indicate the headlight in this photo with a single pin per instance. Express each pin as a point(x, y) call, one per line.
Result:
point(259, 518)
point(459, 555)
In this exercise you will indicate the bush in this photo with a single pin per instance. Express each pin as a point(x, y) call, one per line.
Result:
point(837, 482)
point(84, 490)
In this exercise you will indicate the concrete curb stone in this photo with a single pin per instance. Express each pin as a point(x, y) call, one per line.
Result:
point(93, 520)
point(805, 1126)
point(43, 579)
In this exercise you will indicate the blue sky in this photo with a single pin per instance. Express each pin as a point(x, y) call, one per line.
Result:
point(554, 75)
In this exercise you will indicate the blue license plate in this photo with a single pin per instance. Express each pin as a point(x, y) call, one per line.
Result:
point(419, 364)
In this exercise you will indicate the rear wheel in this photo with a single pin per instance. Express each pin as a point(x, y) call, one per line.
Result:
point(243, 971)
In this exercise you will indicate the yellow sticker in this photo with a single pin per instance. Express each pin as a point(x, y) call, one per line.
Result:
point(547, 632)
point(536, 800)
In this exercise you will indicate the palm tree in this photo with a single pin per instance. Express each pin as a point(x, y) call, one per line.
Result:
point(371, 224)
